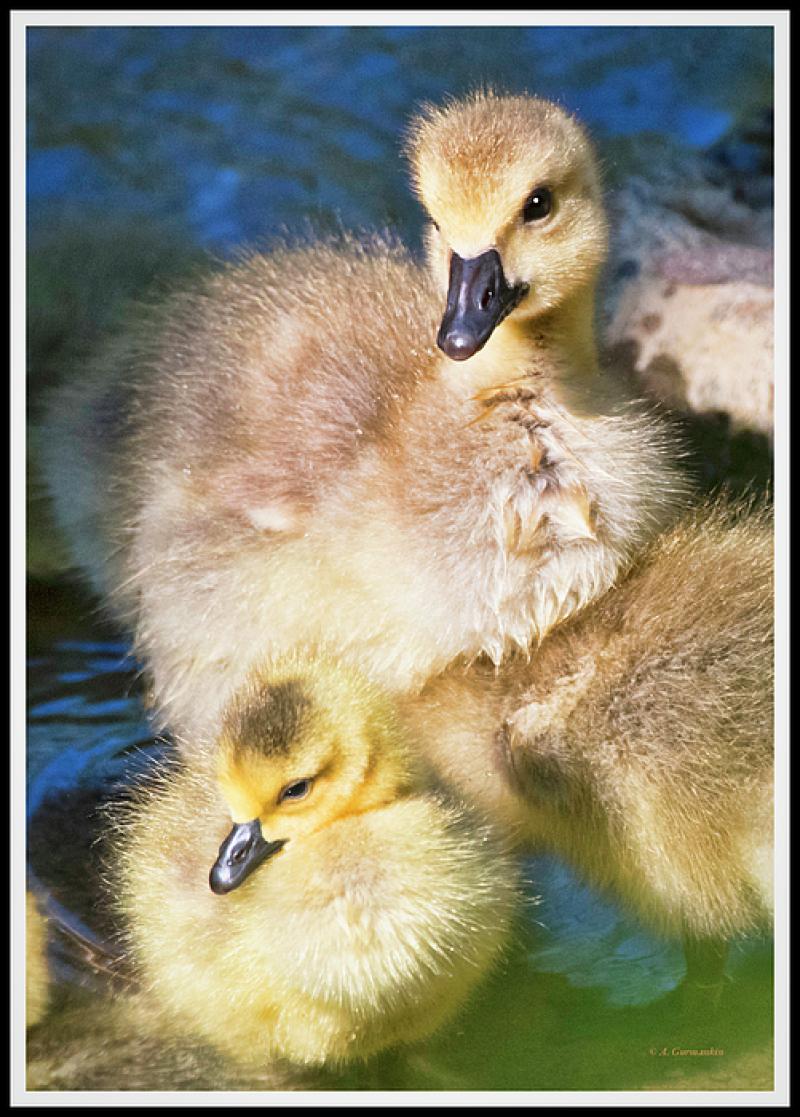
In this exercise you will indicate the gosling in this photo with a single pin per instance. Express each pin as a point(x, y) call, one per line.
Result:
point(281, 456)
point(301, 898)
point(638, 745)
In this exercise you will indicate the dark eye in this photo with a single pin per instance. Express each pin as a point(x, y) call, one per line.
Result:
point(297, 790)
point(435, 225)
point(538, 205)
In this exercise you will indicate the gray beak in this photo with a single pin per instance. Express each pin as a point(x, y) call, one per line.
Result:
point(478, 299)
point(240, 854)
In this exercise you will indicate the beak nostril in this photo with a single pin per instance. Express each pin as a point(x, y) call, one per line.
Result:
point(241, 852)
point(486, 298)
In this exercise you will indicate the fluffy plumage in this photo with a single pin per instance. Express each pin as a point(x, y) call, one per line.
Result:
point(638, 743)
point(279, 456)
point(123, 1042)
point(368, 929)
point(37, 975)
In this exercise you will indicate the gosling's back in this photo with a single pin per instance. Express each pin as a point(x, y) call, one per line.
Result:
point(638, 742)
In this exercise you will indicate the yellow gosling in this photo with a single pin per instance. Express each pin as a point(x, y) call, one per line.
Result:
point(637, 744)
point(281, 455)
point(306, 901)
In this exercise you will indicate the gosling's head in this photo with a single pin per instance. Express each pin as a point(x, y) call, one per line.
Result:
point(512, 188)
point(302, 745)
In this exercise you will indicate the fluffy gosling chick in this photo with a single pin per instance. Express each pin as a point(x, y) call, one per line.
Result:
point(638, 743)
point(281, 456)
point(346, 911)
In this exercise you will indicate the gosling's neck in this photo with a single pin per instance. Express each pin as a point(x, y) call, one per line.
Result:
point(557, 351)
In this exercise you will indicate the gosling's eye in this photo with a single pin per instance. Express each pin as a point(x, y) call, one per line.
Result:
point(297, 790)
point(538, 205)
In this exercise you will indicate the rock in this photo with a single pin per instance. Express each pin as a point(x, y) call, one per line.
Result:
point(700, 347)
point(688, 306)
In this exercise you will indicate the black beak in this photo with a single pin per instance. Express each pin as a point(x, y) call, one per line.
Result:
point(243, 850)
point(478, 299)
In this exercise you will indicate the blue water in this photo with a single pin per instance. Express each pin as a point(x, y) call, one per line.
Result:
point(238, 131)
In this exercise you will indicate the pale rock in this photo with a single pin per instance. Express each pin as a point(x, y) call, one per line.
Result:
point(688, 300)
point(700, 347)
